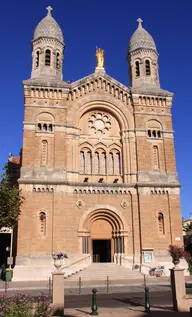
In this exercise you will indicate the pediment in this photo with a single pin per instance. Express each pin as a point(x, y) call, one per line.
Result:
point(95, 77)
point(99, 82)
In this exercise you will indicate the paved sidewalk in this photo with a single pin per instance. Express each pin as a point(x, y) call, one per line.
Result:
point(124, 312)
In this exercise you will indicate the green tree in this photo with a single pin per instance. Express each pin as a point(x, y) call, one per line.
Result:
point(11, 200)
point(188, 228)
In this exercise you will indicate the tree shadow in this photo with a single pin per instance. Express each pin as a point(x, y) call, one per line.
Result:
point(83, 311)
point(129, 301)
point(165, 314)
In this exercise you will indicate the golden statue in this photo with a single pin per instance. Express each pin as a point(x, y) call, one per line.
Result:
point(100, 57)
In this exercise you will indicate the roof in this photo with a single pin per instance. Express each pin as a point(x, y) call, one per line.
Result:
point(141, 39)
point(14, 159)
point(49, 28)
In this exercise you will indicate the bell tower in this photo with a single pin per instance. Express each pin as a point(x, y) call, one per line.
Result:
point(47, 49)
point(142, 57)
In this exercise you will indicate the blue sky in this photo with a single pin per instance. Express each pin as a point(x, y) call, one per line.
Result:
point(108, 24)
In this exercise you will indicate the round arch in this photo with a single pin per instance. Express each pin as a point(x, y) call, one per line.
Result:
point(122, 113)
point(102, 230)
point(106, 211)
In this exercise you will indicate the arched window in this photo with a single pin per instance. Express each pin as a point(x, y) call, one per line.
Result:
point(149, 133)
point(159, 134)
point(42, 217)
point(39, 127)
point(58, 61)
point(147, 67)
point(111, 164)
point(154, 133)
point(96, 163)
point(82, 162)
point(47, 57)
point(161, 224)
point(117, 163)
point(155, 158)
point(137, 69)
point(50, 128)
point(37, 59)
point(89, 162)
point(103, 163)
point(45, 127)
point(44, 153)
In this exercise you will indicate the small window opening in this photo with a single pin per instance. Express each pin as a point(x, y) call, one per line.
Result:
point(154, 133)
point(58, 61)
point(37, 59)
point(149, 133)
point(39, 127)
point(147, 67)
point(161, 223)
point(50, 128)
point(137, 69)
point(159, 134)
point(47, 57)
point(45, 127)
point(42, 217)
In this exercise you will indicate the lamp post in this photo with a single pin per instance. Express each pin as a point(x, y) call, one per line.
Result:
point(11, 250)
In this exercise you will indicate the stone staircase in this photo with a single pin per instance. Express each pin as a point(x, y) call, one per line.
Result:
point(100, 271)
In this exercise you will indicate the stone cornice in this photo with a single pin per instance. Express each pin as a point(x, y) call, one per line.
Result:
point(45, 105)
point(153, 113)
point(166, 185)
point(97, 185)
point(46, 83)
point(151, 91)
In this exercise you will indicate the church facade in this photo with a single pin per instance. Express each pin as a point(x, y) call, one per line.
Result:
point(98, 163)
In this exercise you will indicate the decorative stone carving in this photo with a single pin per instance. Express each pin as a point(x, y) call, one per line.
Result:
point(124, 204)
point(99, 123)
point(80, 204)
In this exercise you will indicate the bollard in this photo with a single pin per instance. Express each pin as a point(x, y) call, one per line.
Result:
point(80, 284)
point(94, 303)
point(145, 284)
point(49, 286)
point(147, 302)
point(107, 283)
point(6, 286)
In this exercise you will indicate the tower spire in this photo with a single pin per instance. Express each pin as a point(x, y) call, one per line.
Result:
point(139, 22)
point(49, 9)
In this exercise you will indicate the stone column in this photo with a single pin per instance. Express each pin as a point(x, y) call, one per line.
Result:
point(178, 287)
point(58, 293)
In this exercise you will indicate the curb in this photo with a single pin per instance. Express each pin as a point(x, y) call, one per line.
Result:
point(76, 287)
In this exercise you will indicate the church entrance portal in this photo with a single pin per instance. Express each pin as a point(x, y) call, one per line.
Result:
point(101, 250)
point(103, 235)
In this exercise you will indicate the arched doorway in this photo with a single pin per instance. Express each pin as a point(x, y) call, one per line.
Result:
point(103, 235)
point(102, 246)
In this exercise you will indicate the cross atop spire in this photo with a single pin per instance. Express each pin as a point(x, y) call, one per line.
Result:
point(139, 22)
point(49, 9)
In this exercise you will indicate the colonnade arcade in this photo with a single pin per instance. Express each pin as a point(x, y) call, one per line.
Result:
point(103, 235)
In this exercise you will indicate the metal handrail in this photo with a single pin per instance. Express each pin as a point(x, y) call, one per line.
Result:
point(69, 265)
point(128, 260)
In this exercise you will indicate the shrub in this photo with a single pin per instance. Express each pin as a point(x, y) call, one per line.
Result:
point(20, 305)
point(44, 306)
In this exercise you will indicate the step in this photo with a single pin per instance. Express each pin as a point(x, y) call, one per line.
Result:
point(100, 271)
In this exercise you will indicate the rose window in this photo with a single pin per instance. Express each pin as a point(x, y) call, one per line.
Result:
point(99, 123)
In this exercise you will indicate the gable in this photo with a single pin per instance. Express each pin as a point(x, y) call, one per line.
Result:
point(100, 83)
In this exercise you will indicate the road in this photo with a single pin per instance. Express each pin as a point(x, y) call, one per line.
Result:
point(160, 295)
